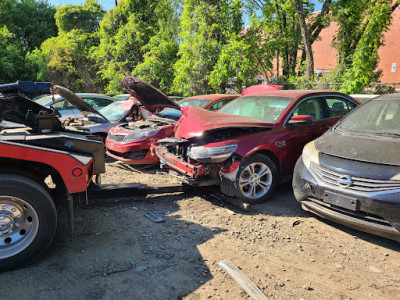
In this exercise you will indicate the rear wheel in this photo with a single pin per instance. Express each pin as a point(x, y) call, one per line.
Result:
point(28, 220)
point(256, 179)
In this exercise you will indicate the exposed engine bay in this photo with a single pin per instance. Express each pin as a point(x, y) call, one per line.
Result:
point(27, 122)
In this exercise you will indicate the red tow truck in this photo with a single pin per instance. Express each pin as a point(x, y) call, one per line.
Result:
point(42, 165)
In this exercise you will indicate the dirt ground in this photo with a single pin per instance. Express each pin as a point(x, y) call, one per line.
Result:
point(118, 253)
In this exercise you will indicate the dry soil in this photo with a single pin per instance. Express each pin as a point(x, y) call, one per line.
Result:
point(118, 253)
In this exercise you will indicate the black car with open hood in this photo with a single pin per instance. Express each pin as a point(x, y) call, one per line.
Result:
point(26, 122)
point(351, 174)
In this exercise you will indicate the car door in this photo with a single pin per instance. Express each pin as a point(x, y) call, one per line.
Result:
point(297, 135)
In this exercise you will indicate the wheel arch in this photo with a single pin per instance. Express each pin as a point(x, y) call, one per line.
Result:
point(271, 155)
point(38, 172)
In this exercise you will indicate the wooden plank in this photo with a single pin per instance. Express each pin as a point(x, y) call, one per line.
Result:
point(244, 282)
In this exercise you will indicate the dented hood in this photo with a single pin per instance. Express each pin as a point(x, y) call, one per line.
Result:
point(366, 148)
point(150, 97)
point(195, 121)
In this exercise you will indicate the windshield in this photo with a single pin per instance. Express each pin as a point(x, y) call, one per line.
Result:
point(175, 114)
point(381, 117)
point(46, 99)
point(263, 108)
point(194, 102)
point(116, 110)
point(170, 113)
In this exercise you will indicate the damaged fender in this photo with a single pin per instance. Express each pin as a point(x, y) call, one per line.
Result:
point(228, 175)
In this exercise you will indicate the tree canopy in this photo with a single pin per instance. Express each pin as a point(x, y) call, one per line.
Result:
point(188, 46)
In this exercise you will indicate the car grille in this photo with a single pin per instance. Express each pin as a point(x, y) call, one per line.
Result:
point(359, 184)
point(116, 137)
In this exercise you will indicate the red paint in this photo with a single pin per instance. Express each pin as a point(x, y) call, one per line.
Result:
point(261, 88)
point(283, 140)
point(61, 161)
point(120, 148)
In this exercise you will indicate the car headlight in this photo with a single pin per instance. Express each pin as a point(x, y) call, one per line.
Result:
point(310, 155)
point(139, 135)
point(211, 154)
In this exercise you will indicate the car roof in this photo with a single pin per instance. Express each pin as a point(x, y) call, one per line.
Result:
point(294, 93)
point(394, 96)
point(212, 96)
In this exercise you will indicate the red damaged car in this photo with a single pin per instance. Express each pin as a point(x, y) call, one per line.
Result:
point(131, 142)
point(252, 143)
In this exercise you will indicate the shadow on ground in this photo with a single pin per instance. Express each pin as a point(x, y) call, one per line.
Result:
point(118, 253)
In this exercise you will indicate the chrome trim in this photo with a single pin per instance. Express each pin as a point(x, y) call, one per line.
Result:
point(360, 185)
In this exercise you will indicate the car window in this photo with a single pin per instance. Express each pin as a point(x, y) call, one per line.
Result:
point(96, 102)
point(264, 108)
point(194, 102)
point(311, 107)
point(374, 117)
point(338, 107)
point(62, 105)
point(218, 104)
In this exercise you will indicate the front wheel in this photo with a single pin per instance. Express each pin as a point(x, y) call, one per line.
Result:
point(256, 179)
point(28, 220)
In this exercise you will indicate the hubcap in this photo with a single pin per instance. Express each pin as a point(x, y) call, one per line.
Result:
point(255, 180)
point(19, 224)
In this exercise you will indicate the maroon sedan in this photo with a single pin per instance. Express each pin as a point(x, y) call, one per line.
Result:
point(252, 143)
point(131, 142)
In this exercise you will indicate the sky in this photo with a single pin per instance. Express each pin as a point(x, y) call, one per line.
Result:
point(107, 4)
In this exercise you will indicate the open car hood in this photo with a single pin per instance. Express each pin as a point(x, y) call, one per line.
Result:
point(150, 97)
point(195, 121)
point(76, 101)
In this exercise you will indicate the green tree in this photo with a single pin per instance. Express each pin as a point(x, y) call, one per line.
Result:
point(66, 59)
point(361, 52)
point(31, 21)
point(206, 27)
point(160, 56)
point(85, 17)
point(11, 56)
point(125, 32)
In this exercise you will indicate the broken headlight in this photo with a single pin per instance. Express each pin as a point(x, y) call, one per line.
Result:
point(140, 135)
point(211, 154)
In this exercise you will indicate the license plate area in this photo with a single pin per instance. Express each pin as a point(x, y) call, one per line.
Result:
point(342, 201)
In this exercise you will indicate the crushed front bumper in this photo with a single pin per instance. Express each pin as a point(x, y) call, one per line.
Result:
point(174, 162)
point(378, 215)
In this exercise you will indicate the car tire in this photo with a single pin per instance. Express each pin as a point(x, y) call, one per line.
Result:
point(28, 220)
point(256, 179)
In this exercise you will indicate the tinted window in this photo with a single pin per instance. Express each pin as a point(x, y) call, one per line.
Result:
point(338, 107)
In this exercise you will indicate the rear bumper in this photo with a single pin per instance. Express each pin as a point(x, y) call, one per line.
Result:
point(139, 157)
point(378, 215)
point(132, 153)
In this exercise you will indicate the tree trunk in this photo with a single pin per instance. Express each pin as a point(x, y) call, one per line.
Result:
point(306, 39)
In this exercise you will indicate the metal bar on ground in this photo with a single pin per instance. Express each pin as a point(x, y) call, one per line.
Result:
point(244, 282)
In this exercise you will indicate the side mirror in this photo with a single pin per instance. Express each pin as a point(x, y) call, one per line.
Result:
point(300, 119)
point(129, 119)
